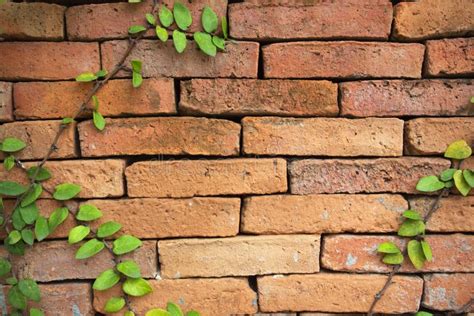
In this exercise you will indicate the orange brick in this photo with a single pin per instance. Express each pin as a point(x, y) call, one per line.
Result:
point(449, 57)
point(6, 102)
point(448, 291)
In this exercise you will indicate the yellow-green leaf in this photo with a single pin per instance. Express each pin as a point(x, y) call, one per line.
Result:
point(162, 33)
point(157, 312)
point(209, 20)
point(425, 246)
point(415, 253)
point(429, 184)
point(411, 228)
point(458, 150)
point(166, 16)
point(114, 304)
point(86, 77)
point(469, 177)
point(460, 183)
point(179, 41)
point(99, 121)
point(136, 287)
point(182, 16)
point(205, 44)
point(388, 247)
point(106, 280)
point(393, 258)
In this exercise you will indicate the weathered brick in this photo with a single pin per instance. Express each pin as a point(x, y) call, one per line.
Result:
point(26, 21)
point(165, 135)
point(321, 21)
point(312, 214)
point(448, 291)
point(161, 218)
point(39, 136)
point(47, 61)
point(407, 98)
point(322, 136)
point(356, 253)
point(240, 59)
point(454, 213)
point(185, 178)
point(433, 19)
point(223, 296)
point(55, 260)
point(44, 100)
point(338, 293)
point(449, 57)
point(236, 256)
point(342, 60)
point(97, 178)
point(6, 102)
point(259, 97)
point(431, 136)
point(312, 176)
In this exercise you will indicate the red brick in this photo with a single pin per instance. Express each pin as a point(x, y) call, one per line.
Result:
point(431, 136)
point(168, 136)
point(185, 178)
point(317, 136)
point(407, 98)
point(338, 293)
point(426, 19)
point(6, 102)
point(161, 59)
point(26, 21)
point(312, 214)
point(356, 253)
point(39, 136)
point(448, 291)
point(238, 256)
point(259, 97)
point(47, 61)
point(44, 100)
point(223, 296)
point(450, 57)
point(321, 21)
point(363, 175)
point(342, 60)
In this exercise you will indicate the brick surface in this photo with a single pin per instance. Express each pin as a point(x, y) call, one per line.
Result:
point(322, 213)
point(169, 136)
point(321, 21)
point(223, 296)
point(239, 61)
point(44, 100)
point(448, 291)
point(312, 176)
point(181, 178)
point(431, 136)
point(47, 61)
point(449, 57)
point(39, 136)
point(342, 60)
point(407, 98)
point(26, 21)
point(6, 102)
point(425, 19)
point(97, 178)
point(453, 215)
point(338, 293)
point(356, 253)
point(322, 136)
point(243, 255)
point(258, 97)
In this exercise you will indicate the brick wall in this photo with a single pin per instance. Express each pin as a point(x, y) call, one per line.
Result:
point(262, 180)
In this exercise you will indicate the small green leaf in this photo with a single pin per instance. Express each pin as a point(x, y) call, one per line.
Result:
point(166, 16)
point(182, 16)
point(136, 66)
point(412, 214)
point(472, 100)
point(99, 121)
point(129, 268)
point(136, 29)
point(11, 145)
point(150, 18)
point(179, 41)
point(393, 258)
point(42, 175)
point(447, 174)
point(14, 237)
point(29, 214)
point(36, 312)
point(114, 304)
point(9, 162)
point(57, 218)
point(86, 77)
point(137, 79)
point(460, 183)
point(28, 236)
point(469, 177)
point(32, 195)
point(225, 27)
point(108, 229)
point(11, 280)
point(78, 233)
point(429, 184)
point(136, 287)
point(88, 213)
point(174, 309)
point(16, 249)
point(125, 244)
point(67, 120)
point(425, 246)
point(16, 298)
point(106, 280)
point(415, 253)
point(89, 249)
point(449, 184)
point(41, 228)
point(205, 44)
point(95, 102)
point(162, 33)
point(219, 42)
point(458, 150)
point(423, 314)
point(18, 222)
point(388, 247)
point(12, 188)
point(101, 73)
point(30, 289)
point(411, 228)
point(209, 20)
point(66, 191)
point(157, 312)
point(5, 267)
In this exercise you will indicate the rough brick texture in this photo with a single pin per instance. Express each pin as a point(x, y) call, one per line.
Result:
point(449, 58)
point(322, 137)
point(6, 102)
point(258, 97)
point(448, 291)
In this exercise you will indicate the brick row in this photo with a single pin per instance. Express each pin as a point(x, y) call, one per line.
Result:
point(449, 57)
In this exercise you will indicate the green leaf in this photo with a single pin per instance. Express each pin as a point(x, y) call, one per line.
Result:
point(78, 233)
point(101, 73)
point(150, 18)
point(95, 102)
point(449, 184)
point(460, 183)
point(174, 309)
point(423, 314)
point(41, 175)
point(166, 16)
point(106, 280)
point(429, 184)
point(11, 145)
point(134, 1)
point(99, 121)
point(89, 249)
point(137, 79)
point(28, 236)
point(126, 243)
point(29, 214)
point(12, 188)
point(225, 27)
point(472, 100)
point(219, 42)
point(136, 29)
point(129, 268)
point(204, 42)
point(18, 222)
point(209, 20)
point(86, 77)
point(41, 228)
point(36, 312)
point(16, 298)
point(458, 150)
point(16, 249)
point(9, 162)
point(388, 247)
point(157, 312)
point(136, 66)
point(11, 280)
point(30, 289)
point(447, 174)
point(136, 287)
point(13, 237)
point(5, 267)
point(182, 16)
point(88, 212)
point(67, 120)
point(66, 191)
point(469, 177)
point(32, 195)
point(57, 218)
point(162, 33)
point(411, 228)
point(393, 258)
point(425, 246)
point(114, 304)
point(412, 214)
point(108, 229)
point(415, 253)
point(179, 41)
